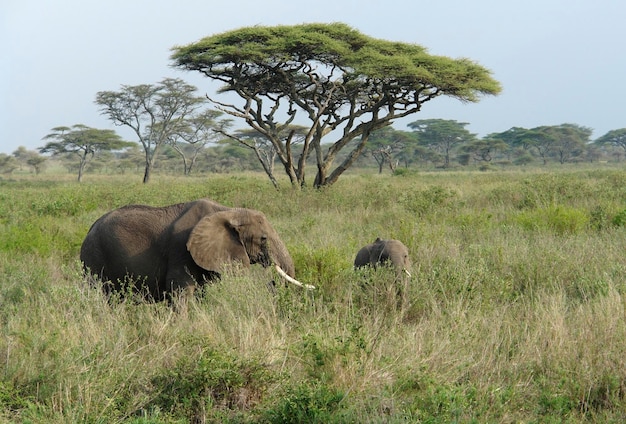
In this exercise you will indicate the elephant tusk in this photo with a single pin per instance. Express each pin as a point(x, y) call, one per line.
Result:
point(407, 272)
point(293, 280)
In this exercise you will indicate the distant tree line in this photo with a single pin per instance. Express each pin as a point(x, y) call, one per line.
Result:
point(444, 143)
point(429, 144)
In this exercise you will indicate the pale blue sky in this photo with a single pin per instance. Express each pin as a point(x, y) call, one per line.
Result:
point(559, 61)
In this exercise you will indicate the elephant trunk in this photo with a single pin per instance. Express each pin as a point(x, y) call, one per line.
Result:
point(284, 264)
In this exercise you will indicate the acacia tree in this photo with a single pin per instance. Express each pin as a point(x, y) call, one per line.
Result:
point(31, 158)
point(82, 141)
point(570, 141)
point(539, 140)
point(515, 138)
point(153, 112)
point(616, 138)
point(563, 142)
point(345, 83)
point(8, 163)
point(442, 135)
point(197, 131)
point(483, 150)
point(386, 146)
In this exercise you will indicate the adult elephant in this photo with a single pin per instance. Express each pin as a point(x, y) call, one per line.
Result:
point(385, 252)
point(161, 250)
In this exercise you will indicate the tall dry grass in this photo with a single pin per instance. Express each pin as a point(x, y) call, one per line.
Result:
point(515, 312)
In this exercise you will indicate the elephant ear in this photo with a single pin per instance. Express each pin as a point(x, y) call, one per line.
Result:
point(215, 241)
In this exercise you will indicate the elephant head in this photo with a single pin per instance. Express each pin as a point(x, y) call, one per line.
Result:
point(240, 235)
point(382, 252)
point(237, 235)
point(165, 249)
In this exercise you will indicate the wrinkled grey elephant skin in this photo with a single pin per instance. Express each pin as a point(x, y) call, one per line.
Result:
point(161, 250)
point(385, 252)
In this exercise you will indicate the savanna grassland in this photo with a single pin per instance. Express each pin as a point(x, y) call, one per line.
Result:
point(515, 311)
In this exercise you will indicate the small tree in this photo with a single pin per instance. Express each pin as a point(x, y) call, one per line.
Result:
point(30, 158)
point(570, 141)
point(36, 162)
point(483, 150)
point(442, 136)
point(515, 138)
point(197, 131)
point(345, 83)
point(615, 138)
point(82, 141)
point(562, 142)
point(132, 159)
point(154, 112)
point(8, 163)
point(541, 141)
point(521, 144)
point(386, 146)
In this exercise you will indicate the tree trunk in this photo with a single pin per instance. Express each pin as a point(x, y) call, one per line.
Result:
point(146, 173)
point(323, 179)
point(81, 167)
point(148, 169)
point(150, 159)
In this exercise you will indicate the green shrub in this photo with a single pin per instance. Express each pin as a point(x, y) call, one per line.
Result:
point(405, 172)
point(210, 385)
point(307, 402)
point(619, 220)
point(558, 219)
point(599, 217)
point(426, 201)
point(11, 399)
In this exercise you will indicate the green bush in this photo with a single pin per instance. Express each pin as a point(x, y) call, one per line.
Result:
point(619, 220)
point(11, 399)
point(211, 385)
point(426, 201)
point(307, 402)
point(558, 219)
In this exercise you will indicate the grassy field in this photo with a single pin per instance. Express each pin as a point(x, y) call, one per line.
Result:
point(515, 311)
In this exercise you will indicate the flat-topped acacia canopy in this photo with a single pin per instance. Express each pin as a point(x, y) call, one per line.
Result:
point(340, 78)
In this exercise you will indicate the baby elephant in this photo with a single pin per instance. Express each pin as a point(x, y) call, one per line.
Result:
point(392, 252)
